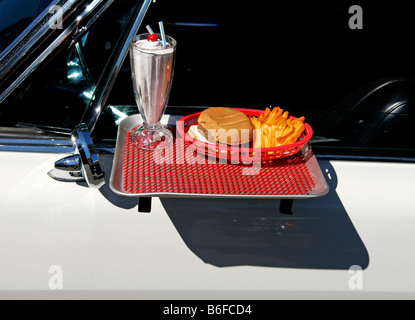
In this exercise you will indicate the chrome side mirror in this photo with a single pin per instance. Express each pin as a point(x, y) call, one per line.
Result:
point(84, 165)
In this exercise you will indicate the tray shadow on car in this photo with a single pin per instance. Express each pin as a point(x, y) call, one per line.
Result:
point(235, 232)
point(118, 201)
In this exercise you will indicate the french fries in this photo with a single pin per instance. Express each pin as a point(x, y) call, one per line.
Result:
point(275, 128)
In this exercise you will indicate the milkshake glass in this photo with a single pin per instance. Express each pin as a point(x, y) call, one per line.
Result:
point(152, 68)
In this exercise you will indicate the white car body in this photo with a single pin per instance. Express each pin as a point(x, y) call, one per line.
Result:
point(61, 240)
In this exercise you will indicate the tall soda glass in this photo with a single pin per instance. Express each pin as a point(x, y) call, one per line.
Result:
point(152, 68)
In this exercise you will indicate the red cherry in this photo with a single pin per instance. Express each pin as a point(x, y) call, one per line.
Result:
point(152, 37)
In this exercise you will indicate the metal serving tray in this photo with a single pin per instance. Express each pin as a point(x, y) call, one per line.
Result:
point(182, 173)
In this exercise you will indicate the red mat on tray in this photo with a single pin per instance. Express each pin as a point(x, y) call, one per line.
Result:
point(180, 170)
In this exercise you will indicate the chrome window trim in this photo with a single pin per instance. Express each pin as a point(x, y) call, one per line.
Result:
point(74, 26)
point(24, 42)
point(37, 145)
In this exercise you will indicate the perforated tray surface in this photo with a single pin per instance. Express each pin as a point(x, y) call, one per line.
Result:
point(179, 171)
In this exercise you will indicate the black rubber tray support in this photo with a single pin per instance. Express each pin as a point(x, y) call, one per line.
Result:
point(286, 206)
point(144, 204)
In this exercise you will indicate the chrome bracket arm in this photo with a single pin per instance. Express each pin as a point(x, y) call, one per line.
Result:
point(83, 165)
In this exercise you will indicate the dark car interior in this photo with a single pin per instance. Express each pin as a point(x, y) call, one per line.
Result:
point(355, 86)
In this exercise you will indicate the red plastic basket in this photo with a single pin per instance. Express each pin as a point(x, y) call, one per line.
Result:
point(236, 153)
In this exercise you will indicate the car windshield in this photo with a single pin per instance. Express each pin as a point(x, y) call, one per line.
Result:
point(16, 16)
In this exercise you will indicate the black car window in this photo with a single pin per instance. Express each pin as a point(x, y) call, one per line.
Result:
point(311, 58)
point(16, 16)
point(354, 85)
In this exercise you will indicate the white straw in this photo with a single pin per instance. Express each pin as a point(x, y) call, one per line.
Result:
point(150, 30)
point(163, 35)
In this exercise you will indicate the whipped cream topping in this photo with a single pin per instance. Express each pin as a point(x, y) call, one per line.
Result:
point(153, 45)
point(150, 44)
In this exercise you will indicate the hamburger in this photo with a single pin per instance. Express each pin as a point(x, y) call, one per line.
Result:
point(223, 125)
